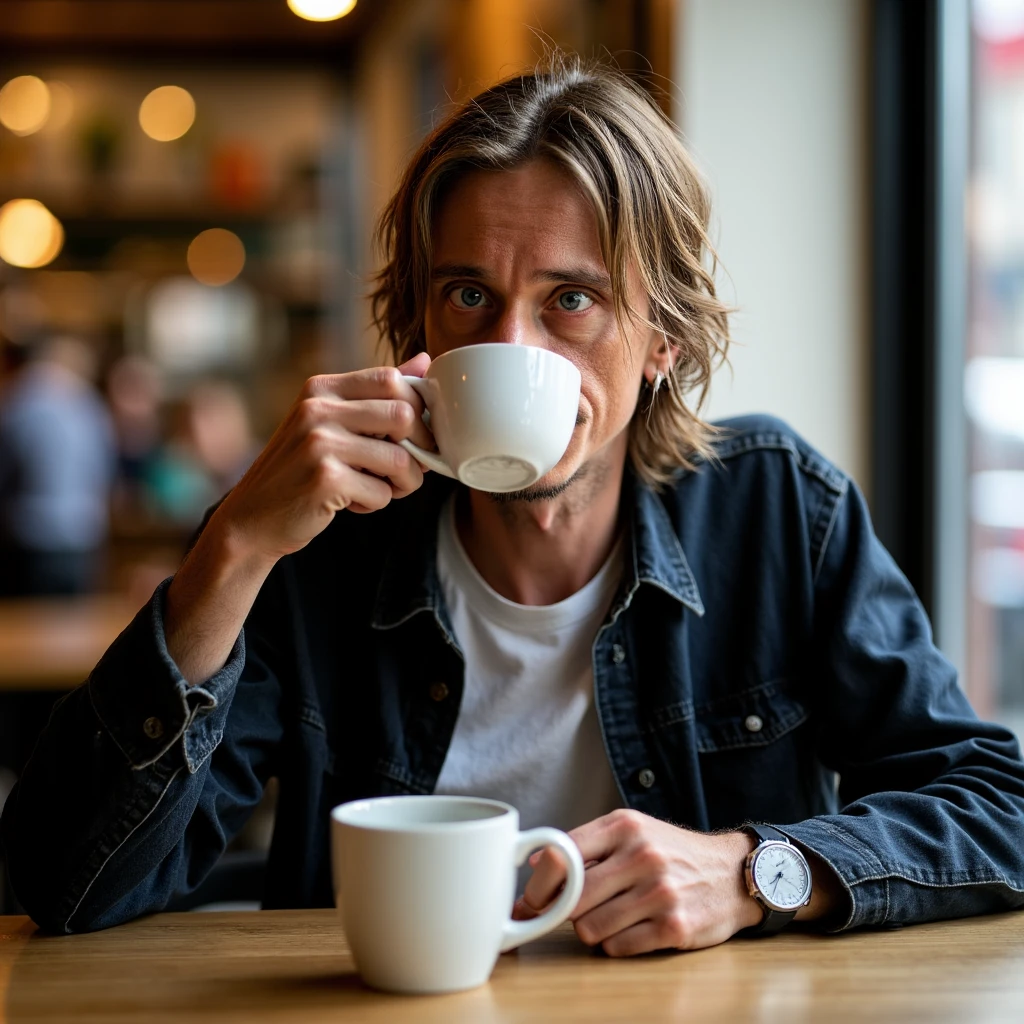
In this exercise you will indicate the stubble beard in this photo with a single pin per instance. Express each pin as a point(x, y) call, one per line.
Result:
point(579, 490)
point(536, 492)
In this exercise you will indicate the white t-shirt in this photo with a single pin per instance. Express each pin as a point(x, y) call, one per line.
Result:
point(527, 731)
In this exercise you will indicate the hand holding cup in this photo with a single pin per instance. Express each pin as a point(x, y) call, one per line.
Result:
point(337, 448)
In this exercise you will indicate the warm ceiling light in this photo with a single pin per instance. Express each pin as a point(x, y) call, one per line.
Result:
point(30, 236)
point(216, 256)
point(321, 10)
point(24, 104)
point(167, 113)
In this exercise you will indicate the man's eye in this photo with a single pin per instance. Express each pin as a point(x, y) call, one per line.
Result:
point(468, 298)
point(573, 302)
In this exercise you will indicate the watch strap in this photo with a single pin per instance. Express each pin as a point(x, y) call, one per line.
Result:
point(767, 834)
point(773, 920)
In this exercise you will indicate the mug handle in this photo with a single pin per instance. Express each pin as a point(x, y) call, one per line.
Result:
point(429, 459)
point(518, 932)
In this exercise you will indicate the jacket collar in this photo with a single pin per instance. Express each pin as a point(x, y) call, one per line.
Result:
point(658, 556)
point(409, 582)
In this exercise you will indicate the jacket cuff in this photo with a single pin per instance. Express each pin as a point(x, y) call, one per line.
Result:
point(144, 702)
point(857, 867)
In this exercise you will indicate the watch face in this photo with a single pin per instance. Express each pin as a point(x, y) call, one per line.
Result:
point(782, 876)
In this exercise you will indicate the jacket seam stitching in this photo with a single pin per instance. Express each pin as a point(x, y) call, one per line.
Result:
point(899, 876)
point(126, 837)
point(828, 536)
point(688, 709)
point(776, 442)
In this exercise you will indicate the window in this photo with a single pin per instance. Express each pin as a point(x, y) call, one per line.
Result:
point(994, 371)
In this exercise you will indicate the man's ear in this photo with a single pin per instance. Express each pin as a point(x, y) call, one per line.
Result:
point(661, 357)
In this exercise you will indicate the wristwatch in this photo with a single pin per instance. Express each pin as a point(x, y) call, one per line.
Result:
point(778, 877)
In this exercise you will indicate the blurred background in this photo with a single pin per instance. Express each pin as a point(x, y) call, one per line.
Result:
point(187, 195)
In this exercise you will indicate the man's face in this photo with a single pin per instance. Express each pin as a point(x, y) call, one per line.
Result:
point(517, 260)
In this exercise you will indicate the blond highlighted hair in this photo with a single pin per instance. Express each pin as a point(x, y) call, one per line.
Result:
point(652, 213)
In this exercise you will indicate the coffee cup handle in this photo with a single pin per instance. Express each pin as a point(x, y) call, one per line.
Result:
point(429, 459)
point(518, 932)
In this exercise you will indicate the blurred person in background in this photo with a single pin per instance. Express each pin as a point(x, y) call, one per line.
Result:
point(210, 446)
point(221, 433)
point(57, 461)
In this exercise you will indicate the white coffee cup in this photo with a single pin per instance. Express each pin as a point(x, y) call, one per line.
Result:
point(425, 885)
point(502, 415)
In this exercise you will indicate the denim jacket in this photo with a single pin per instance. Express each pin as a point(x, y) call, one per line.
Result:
point(763, 660)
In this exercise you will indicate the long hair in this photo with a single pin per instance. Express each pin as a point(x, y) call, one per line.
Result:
point(652, 213)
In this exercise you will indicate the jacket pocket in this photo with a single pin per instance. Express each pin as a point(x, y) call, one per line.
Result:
point(753, 718)
point(756, 757)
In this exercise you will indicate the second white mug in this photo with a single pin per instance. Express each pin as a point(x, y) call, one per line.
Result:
point(425, 884)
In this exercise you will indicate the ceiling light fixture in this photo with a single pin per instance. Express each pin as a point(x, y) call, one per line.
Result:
point(321, 10)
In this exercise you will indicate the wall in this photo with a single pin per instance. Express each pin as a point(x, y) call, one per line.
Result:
point(773, 107)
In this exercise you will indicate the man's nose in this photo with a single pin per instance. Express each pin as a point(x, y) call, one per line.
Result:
point(517, 326)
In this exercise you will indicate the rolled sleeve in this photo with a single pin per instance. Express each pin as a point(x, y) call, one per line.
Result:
point(154, 712)
point(860, 872)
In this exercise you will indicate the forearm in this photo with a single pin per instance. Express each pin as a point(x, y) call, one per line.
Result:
point(209, 599)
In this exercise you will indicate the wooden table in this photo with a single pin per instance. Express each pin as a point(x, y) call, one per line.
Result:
point(295, 966)
point(53, 644)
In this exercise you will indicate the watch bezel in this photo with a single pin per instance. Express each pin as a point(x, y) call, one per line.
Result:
point(755, 890)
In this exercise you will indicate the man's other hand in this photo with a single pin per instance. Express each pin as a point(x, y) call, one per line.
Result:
point(650, 885)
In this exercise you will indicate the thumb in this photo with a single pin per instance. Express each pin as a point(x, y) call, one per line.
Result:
point(417, 366)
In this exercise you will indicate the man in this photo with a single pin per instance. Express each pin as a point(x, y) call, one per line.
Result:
point(726, 641)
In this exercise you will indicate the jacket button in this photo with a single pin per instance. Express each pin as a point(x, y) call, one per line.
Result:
point(645, 777)
point(618, 654)
point(438, 692)
point(153, 728)
point(753, 723)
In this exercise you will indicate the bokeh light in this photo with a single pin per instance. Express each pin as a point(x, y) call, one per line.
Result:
point(167, 113)
point(321, 10)
point(30, 236)
point(24, 104)
point(216, 256)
